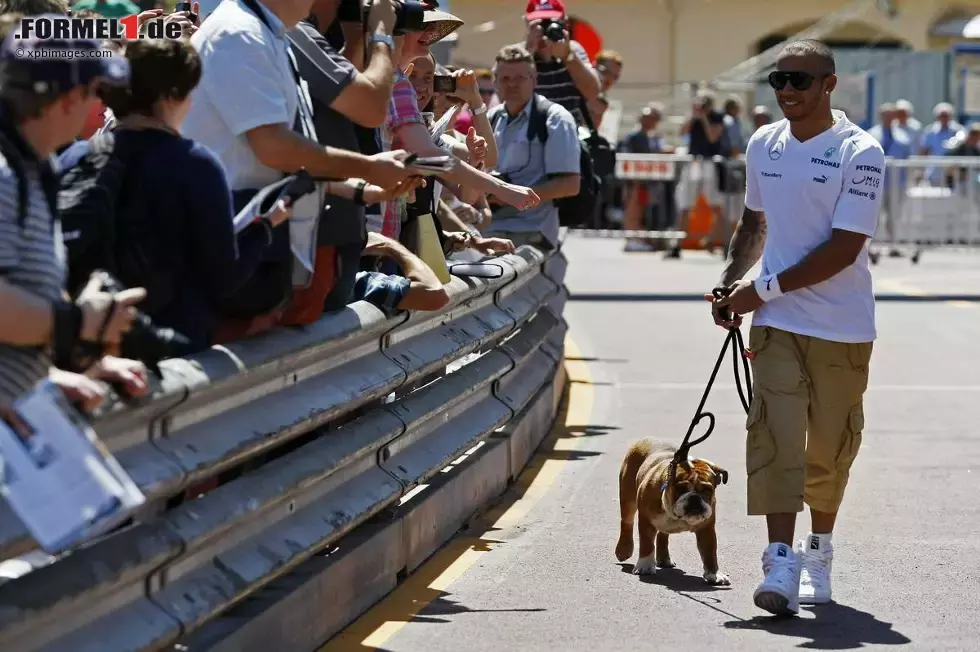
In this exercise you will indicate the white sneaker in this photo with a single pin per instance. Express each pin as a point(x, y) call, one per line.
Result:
point(817, 556)
point(779, 592)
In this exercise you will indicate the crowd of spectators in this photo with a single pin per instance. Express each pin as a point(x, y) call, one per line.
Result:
point(125, 174)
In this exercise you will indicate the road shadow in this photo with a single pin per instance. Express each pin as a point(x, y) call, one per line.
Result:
point(601, 360)
point(675, 579)
point(834, 627)
point(590, 430)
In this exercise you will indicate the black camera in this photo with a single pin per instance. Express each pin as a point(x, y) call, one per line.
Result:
point(409, 15)
point(145, 341)
point(554, 30)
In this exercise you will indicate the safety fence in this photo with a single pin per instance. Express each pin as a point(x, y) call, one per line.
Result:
point(257, 456)
point(927, 201)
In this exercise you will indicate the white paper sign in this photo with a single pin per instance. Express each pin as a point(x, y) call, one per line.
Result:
point(62, 482)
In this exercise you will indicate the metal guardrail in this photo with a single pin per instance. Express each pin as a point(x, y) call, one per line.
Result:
point(271, 405)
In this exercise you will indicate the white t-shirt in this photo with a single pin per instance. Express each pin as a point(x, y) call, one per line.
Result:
point(805, 190)
point(246, 82)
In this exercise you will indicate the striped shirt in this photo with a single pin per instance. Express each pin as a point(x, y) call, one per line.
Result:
point(403, 109)
point(32, 258)
point(555, 83)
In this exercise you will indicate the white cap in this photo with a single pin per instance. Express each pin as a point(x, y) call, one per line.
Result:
point(943, 107)
point(905, 105)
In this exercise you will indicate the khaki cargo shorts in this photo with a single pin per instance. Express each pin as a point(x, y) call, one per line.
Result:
point(805, 422)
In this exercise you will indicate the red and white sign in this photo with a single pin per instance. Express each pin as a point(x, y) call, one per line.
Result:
point(637, 167)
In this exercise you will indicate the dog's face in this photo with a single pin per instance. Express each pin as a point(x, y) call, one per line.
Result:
point(691, 497)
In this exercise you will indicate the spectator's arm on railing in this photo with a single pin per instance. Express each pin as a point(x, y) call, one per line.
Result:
point(280, 148)
point(426, 291)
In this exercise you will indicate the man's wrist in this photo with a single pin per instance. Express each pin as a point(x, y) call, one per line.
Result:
point(767, 287)
point(479, 109)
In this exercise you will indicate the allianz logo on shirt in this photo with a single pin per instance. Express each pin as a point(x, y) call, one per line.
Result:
point(861, 193)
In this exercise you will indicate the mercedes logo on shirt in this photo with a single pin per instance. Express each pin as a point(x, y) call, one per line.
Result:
point(776, 152)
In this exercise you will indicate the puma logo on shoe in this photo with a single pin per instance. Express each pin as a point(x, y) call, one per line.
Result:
point(781, 552)
point(814, 543)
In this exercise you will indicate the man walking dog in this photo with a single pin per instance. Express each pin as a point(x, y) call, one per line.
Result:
point(813, 192)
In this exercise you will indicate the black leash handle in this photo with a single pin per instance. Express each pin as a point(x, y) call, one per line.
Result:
point(734, 338)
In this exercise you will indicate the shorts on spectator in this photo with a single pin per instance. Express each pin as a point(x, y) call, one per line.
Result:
point(383, 291)
point(698, 177)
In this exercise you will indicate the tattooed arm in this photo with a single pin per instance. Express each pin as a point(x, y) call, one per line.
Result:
point(746, 247)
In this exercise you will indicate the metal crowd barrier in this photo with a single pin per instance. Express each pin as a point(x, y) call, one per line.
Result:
point(928, 202)
point(304, 417)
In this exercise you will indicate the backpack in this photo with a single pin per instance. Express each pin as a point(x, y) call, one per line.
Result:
point(99, 230)
point(581, 208)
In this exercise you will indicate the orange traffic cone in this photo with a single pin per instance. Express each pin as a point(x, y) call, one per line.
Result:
point(699, 224)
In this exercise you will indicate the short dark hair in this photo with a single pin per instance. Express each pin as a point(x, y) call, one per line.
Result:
point(814, 48)
point(514, 54)
point(160, 69)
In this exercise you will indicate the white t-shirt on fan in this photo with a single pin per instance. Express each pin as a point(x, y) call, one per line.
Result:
point(806, 190)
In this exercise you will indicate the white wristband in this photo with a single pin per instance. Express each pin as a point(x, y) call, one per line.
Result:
point(480, 111)
point(768, 288)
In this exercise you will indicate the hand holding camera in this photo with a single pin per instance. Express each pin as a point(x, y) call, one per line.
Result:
point(382, 17)
point(106, 315)
point(466, 88)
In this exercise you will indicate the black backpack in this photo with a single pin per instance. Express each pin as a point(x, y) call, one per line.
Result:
point(100, 230)
point(581, 208)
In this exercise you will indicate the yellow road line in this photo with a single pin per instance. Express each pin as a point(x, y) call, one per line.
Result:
point(428, 583)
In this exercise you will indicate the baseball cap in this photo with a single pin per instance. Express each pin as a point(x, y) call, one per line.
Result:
point(545, 9)
point(83, 61)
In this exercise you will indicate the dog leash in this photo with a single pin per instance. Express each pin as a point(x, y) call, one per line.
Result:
point(734, 338)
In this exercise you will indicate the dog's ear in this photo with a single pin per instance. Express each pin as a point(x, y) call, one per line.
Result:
point(720, 474)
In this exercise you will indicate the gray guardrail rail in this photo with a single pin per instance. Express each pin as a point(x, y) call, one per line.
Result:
point(258, 456)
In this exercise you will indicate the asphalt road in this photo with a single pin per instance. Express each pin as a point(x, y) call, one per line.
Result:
point(907, 565)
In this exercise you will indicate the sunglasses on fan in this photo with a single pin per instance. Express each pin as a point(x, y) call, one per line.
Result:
point(798, 79)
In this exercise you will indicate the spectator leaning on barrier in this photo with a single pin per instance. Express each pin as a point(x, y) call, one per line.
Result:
point(936, 136)
point(248, 110)
point(564, 74)
point(647, 139)
point(967, 145)
point(44, 101)
point(550, 168)
point(705, 127)
point(342, 97)
point(405, 128)
point(897, 144)
point(171, 224)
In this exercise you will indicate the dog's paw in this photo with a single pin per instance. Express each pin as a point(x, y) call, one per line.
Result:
point(624, 549)
point(645, 566)
point(717, 579)
point(666, 563)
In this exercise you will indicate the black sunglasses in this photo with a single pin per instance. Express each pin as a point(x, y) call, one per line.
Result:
point(798, 79)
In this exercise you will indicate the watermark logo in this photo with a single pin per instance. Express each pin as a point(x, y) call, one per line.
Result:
point(101, 29)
